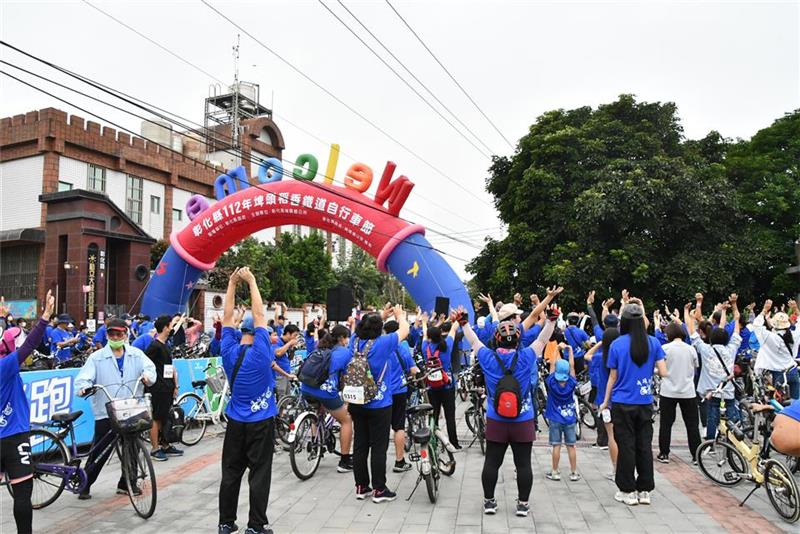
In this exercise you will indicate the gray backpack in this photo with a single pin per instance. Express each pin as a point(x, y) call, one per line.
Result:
point(358, 385)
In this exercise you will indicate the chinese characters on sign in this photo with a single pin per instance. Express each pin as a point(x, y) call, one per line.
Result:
point(91, 275)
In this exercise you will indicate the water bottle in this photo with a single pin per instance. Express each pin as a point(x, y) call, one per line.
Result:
point(776, 405)
point(606, 415)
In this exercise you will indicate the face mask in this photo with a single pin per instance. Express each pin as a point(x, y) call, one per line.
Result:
point(116, 343)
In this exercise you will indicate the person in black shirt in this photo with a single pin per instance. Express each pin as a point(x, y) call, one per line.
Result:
point(165, 389)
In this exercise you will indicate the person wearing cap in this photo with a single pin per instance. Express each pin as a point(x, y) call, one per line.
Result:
point(560, 412)
point(100, 339)
point(165, 389)
point(631, 360)
point(120, 368)
point(779, 344)
point(286, 340)
point(502, 432)
point(15, 446)
point(250, 432)
point(61, 339)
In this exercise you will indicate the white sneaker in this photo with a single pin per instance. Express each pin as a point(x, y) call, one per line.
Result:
point(631, 499)
point(644, 497)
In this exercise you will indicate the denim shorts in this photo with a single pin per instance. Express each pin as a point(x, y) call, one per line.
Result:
point(561, 433)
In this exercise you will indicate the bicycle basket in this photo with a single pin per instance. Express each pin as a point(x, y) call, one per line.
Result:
point(216, 381)
point(130, 416)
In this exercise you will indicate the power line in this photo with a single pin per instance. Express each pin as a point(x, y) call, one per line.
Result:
point(450, 75)
point(343, 103)
point(362, 41)
point(256, 185)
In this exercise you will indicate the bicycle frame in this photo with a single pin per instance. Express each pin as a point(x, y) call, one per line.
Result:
point(751, 453)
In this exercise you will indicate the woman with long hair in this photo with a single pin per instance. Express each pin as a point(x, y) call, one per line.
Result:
point(436, 345)
point(631, 359)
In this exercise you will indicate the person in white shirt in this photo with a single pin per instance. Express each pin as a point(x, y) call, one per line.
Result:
point(778, 347)
point(677, 388)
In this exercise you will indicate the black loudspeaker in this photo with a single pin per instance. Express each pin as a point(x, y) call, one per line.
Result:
point(141, 272)
point(442, 306)
point(339, 303)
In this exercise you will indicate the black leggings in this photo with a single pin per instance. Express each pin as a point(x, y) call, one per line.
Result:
point(445, 398)
point(494, 459)
point(23, 511)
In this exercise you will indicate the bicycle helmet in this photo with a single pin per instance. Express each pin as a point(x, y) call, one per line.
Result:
point(507, 334)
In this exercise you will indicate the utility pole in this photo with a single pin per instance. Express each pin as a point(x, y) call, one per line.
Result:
point(235, 122)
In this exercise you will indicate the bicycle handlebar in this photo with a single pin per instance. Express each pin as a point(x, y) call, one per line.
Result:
point(92, 390)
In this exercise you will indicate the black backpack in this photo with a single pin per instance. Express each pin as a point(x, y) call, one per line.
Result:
point(316, 368)
point(176, 422)
point(507, 394)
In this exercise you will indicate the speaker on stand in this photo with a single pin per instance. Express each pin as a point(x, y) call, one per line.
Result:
point(339, 303)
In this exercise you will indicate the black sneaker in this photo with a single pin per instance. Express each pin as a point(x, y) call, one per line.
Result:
point(489, 506)
point(345, 465)
point(401, 467)
point(173, 451)
point(523, 509)
point(251, 530)
point(227, 528)
point(384, 495)
point(84, 496)
point(362, 492)
point(663, 458)
point(124, 491)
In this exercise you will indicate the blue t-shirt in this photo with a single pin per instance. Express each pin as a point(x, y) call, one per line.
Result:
point(100, 336)
point(399, 368)
point(414, 335)
point(121, 363)
point(743, 332)
point(445, 356)
point(143, 342)
point(282, 361)
point(485, 333)
point(382, 349)
point(253, 397)
point(576, 338)
point(530, 335)
point(634, 384)
point(522, 372)
point(83, 341)
point(58, 336)
point(560, 400)
point(602, 378)
point(793, 410)
point(311, 343)
point(340, 357)
point(15, 412)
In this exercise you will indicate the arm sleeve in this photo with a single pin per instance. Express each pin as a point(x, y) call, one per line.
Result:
point(544, 336)
point(593, 317)
point(87, 375)
point(32, 341)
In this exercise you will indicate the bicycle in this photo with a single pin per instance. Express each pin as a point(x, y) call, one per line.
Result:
point(200, 410)
point(749, 461)
point(435, 456)
point(312, 434)
point(475, 416)
point(57, 467)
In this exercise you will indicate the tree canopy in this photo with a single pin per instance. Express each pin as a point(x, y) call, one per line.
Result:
point(615, 197)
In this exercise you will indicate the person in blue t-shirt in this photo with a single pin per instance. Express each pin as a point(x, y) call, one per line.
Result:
point(61, 339)
point(145, 338)
point(560, 412)
point(577, 339)
point(250, 433)
point(371, 421)
point(15, 447)
point(328, 393)
point(436, 346)
point(631, 360)
point(401, 366)
point(100, 338)
point(310, 337)
point(282, 350)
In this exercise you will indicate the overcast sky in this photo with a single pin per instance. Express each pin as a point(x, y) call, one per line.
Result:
point(730, 66)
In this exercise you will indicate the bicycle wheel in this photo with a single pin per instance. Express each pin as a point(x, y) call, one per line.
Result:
point(445, 459)
point(195, 418)
point(782, 490)
point(721, 462)
point(47, 451)
point(408, 443)
point(288, 411)
point(469, 415)
point(462, 392)
point(432, 485)
point(587, 415)
point(541, 400)
point(305, 452)
point(139, 475)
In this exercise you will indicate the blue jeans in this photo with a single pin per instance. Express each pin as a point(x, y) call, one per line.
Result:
point(792, 377)
point(731, 411)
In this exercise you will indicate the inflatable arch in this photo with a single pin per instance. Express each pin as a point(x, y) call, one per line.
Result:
point(399, 247)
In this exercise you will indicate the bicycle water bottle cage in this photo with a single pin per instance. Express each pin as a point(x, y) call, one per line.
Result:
point(421, 435)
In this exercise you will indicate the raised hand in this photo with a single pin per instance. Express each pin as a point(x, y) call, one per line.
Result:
point(246, 275)
point(590, 298)
point(554, 291)
point(698, 297)
point(625, 296)
point(534, 299)
point(485, 298)
point(49, 305)
point(733, 298)
point(767, 305)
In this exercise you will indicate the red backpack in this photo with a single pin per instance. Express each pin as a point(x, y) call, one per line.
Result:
point(438, 378)
point(507, 394)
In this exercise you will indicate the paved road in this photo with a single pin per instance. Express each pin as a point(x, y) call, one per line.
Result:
point(684, 501)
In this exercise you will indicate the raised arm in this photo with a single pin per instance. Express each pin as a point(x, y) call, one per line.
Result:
point(402, 320)
point(230, 299)
point(35, 336)
point(489, 302)
point(734, 299)
point(531, 319)
point(544, 336)
point(256, 303)
point(688, 318)
point(453, 330)
point(590, 310)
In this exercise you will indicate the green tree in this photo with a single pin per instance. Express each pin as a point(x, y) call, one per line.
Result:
point(361, 273)
point(310, 264)
point(157, 252)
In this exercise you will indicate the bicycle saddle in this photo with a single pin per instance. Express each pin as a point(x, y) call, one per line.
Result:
point(66, 417)
point(419, 408)
point(197, 384)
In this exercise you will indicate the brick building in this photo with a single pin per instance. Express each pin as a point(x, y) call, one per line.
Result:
point(81, 204)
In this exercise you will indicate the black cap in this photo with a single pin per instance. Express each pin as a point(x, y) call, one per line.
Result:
point(117, 324)
point(64, 318)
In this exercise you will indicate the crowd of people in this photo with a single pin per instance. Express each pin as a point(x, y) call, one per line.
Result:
point(365, 366)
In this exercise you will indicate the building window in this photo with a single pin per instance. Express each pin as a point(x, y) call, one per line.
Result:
point(297, 230)
point(64, 186)
point(133, 199)
point(155, 204)
point(97, 179)
point(19, 272)
point(177, 215)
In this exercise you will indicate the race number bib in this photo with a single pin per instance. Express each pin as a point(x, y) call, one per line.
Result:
point(169, 371)
point(435, 376)
point(353, 394)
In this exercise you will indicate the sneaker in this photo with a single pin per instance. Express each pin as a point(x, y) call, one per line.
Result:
point(553, 475)
point(173, 451)
point(384, 495)
point(644, 497)
point(158, 455)
point(401, 467)
point(123, 491)
point(522, 509)
point(611, 475)
point(251, 530)
point(631, 499)
point(574, 477)
point(362, 492)
point(345, 465)
point(227, 528)
point(489, 506)
point(663, 458)
point(84, 496)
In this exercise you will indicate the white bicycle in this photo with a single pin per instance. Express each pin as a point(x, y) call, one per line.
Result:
point(202, 410)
